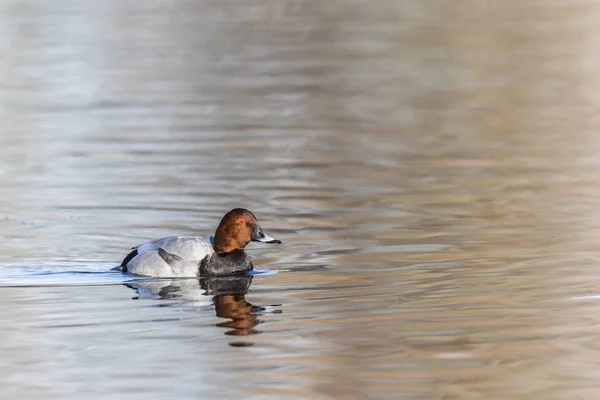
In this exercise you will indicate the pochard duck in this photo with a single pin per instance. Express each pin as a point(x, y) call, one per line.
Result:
point(192, 256)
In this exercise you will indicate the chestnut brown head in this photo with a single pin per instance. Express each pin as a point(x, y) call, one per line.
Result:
point(238, 228)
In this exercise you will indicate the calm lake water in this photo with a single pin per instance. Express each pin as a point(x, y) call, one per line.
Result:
point(432, 168)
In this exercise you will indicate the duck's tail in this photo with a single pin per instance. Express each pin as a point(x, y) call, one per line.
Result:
point(126, 260)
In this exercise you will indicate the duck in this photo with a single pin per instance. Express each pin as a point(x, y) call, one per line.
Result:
point(200, 256)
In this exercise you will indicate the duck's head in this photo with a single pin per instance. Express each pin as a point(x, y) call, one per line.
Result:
point(238, 228)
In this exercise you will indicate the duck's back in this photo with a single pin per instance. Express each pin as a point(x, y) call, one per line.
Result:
point(192, 248)
point(189, 250)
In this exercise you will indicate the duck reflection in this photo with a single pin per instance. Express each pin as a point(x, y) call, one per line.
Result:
point(227, 294)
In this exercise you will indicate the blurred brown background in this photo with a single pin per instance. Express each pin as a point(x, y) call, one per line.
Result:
point(431, 166)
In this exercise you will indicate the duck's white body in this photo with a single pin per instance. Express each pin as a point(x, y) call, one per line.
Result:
point(190, 249)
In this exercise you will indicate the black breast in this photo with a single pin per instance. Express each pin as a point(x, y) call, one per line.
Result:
point(231, 263)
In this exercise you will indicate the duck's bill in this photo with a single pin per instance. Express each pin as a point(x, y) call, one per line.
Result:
point(259, 236)
point(269, 239)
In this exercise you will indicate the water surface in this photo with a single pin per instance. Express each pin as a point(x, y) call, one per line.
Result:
point(431, 167)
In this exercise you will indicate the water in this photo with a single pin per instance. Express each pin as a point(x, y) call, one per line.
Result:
point(432, 168)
